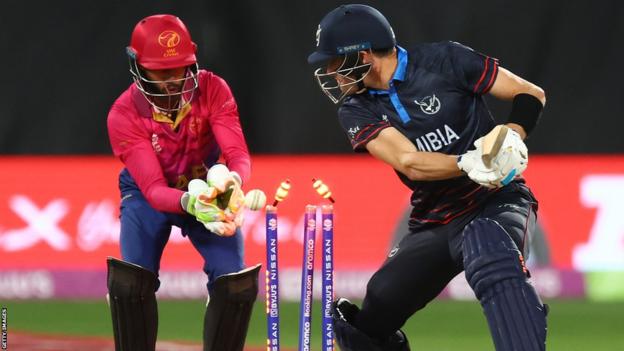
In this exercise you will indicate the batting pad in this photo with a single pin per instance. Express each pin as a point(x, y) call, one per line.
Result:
point(131, 290)
point(228, 312)
point(494, 269)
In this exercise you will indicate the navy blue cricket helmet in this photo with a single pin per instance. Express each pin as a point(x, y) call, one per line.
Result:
point(343, 33)
point(351, 28)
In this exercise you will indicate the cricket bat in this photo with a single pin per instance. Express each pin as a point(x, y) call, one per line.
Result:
point(492, 143)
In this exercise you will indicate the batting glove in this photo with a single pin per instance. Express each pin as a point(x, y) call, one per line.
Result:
point(472, 164)
point(512, 158)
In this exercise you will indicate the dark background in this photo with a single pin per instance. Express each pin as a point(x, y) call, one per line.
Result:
point(63, 64)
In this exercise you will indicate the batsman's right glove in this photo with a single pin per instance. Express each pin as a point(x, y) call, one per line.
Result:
point(497, 159)
point(506, 152)
point(472, 164)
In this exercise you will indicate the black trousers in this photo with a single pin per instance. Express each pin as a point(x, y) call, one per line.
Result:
point(423, 263)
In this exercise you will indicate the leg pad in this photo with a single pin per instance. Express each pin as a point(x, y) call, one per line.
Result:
point(495, 270)
point(131, 290)
point(229, 309)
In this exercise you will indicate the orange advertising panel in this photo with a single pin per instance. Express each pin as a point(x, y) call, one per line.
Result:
point(65, 214)
point(61, 213)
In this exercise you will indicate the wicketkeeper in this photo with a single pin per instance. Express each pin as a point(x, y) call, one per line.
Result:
point(169, 127)
point(422, 112)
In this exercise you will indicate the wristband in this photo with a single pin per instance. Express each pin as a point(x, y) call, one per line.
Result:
point(526, 111)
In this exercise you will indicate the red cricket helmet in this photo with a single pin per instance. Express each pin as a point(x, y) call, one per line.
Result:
point(162, 42)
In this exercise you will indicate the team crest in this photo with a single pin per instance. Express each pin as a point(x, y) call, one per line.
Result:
point(429, 104)
point(169, 39)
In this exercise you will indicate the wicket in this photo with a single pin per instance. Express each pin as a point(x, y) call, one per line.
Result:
point(327, 288)
point(272, 280)
point(307, 278)
point(307, 275)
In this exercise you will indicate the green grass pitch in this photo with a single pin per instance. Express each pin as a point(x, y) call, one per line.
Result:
point(443, 325)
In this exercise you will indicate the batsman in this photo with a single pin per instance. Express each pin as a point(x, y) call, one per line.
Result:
point(422, 112)
point(169, 128)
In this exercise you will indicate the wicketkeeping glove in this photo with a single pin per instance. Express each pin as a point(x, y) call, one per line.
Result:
point(218, 203)
point(226, 228)
point(203, 205)
point(231, 197)
point(220, 177)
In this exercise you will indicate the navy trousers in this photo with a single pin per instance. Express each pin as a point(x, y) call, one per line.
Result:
point(145, 232)
point(424, 262)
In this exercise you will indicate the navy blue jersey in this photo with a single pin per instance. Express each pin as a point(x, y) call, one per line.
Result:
point(435, 100)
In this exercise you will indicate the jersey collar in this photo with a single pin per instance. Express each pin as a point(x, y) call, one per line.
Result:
point(163, 117)
point(145, 109)
point(399, 72)
point(399, 75)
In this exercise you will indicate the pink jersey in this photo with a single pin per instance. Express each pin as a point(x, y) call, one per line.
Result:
point(163, 156)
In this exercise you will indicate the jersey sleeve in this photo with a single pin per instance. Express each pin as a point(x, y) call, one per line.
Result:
point(360, 125)
point(132, 146)
point(474, 71)
point(225, 124)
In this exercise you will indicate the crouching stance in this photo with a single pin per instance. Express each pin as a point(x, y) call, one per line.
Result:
point(169, 128)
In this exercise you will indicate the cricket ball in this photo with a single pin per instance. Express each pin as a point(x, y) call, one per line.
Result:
point(255, 199)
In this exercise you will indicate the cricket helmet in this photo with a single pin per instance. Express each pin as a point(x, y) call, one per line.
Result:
point(161, 42)
point(351, 28)
point(344, 32)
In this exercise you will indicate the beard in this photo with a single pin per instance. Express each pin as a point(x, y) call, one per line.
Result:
point(167, 102)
